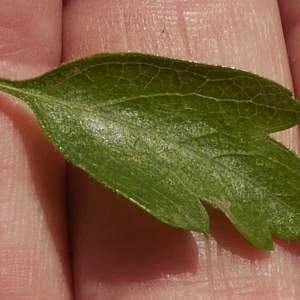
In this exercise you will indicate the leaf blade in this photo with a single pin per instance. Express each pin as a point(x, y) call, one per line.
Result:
point(159, 130)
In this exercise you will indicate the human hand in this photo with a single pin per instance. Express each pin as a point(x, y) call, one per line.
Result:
point(64, 236)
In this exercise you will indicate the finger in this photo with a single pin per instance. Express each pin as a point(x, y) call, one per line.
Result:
point(33, 253)
point(290, 14)
point(120, 251)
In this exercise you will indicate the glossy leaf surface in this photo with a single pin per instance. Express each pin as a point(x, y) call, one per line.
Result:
point(167, 133)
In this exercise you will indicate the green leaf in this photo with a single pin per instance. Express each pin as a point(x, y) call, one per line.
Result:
point(167, 133)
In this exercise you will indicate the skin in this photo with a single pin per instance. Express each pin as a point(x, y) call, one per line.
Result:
point(64, 236)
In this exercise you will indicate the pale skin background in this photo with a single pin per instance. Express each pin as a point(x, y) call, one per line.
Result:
point(97, 245)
